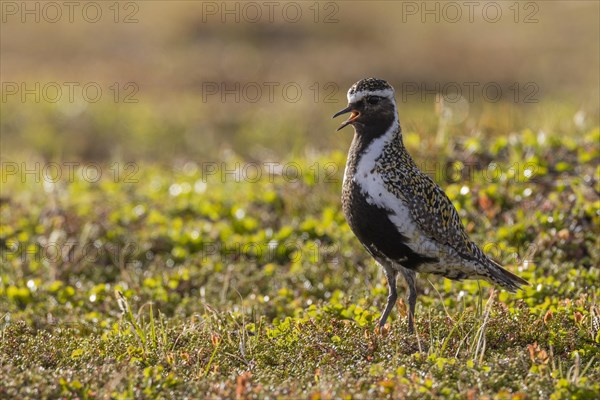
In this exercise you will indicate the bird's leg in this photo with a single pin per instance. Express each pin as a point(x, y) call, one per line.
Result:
point(411, 297)
point(412, 302)
point(390, 274)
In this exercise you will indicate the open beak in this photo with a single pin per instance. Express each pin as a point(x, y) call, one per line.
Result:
point(350, 120)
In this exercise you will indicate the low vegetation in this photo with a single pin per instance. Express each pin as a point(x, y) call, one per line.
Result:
point(241, 280)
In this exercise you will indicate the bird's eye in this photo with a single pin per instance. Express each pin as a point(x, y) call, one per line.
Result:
point(373, 99)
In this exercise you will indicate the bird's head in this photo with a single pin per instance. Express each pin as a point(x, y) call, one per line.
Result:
point(372, 106)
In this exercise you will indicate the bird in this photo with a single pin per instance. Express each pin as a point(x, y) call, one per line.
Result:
point(404, 220)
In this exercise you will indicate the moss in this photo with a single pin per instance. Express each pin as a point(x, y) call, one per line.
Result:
point(258, 289)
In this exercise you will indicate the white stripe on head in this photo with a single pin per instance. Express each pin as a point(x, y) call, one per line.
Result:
point(354, 97)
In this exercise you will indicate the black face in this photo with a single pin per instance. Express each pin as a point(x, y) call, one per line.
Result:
point(374, 111)
point(371, 115)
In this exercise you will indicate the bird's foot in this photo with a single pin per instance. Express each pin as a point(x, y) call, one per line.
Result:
point(382, 330)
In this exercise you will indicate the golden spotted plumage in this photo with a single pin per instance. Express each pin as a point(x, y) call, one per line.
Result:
point(430, 208)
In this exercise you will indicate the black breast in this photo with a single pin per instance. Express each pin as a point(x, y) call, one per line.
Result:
point(372, 226)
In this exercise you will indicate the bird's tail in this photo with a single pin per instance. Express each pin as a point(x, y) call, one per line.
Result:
point(504, 278)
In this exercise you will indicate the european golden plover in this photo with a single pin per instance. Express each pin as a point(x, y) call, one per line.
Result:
point(400, 215)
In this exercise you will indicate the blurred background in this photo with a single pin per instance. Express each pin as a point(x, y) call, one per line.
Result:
point(136, 146)
point(166, 81)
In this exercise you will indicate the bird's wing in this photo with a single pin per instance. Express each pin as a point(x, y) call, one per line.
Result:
point(438, 219)
point(433, 212)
